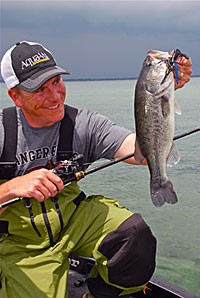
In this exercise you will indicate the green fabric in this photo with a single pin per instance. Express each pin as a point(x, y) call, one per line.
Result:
point(19, 218)
point(30, 268)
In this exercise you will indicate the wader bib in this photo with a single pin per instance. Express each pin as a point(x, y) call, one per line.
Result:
point(37, 239)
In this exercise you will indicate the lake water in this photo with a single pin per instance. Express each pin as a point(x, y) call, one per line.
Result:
point(176, 227)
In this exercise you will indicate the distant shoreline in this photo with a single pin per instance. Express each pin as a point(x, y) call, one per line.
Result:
point(104, 79)
point(113, 79)
point(101, 79)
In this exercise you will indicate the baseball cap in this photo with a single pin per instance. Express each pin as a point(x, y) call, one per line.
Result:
point(28, 65)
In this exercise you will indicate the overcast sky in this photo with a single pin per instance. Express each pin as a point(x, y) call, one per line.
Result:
point(103, 39)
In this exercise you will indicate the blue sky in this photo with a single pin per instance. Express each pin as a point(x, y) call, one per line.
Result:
point(103, 39)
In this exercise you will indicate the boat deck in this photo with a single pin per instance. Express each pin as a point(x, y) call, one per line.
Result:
point(159, 288)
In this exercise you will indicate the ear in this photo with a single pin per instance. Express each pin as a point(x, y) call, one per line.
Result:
point(15, 97)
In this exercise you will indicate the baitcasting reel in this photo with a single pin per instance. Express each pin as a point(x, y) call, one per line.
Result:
point(70, 169)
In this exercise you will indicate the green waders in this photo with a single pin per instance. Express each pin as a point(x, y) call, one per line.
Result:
point(34, 253)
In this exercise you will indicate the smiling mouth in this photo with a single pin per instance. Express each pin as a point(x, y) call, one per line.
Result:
point(53, 108)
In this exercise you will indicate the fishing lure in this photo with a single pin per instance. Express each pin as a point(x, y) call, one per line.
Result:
point(173, 65)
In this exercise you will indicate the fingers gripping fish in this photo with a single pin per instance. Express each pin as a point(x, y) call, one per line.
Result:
point(154, 117)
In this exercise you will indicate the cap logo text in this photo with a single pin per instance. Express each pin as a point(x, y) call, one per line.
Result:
point(39, 57)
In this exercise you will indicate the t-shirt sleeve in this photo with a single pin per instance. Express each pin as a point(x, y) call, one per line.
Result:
point(96, 136)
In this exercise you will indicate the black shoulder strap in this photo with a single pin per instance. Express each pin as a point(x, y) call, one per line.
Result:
point(8, 160)
point(10, 128)
point(10, 141)
point(66, 133)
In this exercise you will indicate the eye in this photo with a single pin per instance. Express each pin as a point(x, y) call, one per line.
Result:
point(57, 81)
point(40, 90)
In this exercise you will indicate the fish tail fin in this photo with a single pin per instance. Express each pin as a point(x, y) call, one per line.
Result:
point(163, 193)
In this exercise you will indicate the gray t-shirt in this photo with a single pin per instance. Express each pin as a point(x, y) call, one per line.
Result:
point(95, 136)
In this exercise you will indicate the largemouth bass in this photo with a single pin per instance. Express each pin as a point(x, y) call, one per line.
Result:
point(154, 117)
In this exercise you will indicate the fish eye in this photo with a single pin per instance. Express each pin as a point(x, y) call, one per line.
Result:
point(165, 98)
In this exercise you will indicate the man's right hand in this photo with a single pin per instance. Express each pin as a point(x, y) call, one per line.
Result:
point(39, 184)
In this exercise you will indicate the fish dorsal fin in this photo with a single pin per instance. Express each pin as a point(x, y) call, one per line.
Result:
point(139, 157)
point(177, 108)
point(173, 157)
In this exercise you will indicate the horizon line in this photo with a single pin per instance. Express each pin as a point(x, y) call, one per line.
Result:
point(104, 79)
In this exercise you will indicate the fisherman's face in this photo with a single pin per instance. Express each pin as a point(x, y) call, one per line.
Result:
point(44, 106)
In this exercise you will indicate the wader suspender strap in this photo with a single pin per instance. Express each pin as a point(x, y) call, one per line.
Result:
point(66, 133)
point(64, 151)
point(10, 125)
point(10, 144)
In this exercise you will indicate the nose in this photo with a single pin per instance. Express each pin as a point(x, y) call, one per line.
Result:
point(53, 94)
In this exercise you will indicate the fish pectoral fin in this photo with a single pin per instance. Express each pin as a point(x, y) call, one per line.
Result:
point(177, 108)
point(173, 157)
point(139, 157)
point(165, 106)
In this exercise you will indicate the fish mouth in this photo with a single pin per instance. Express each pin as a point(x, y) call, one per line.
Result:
point(165, 81)
point(156, 54)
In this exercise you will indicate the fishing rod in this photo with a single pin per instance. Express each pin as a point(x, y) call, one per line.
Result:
point(187, 133)
point(62, 169)
point(116, 160)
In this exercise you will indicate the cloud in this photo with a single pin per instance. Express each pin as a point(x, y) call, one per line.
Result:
point(100, 15)
point(106, 38)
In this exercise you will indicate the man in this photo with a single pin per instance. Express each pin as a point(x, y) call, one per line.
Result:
point(40, 234)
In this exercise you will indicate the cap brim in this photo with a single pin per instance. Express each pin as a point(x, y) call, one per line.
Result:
point(39, 78)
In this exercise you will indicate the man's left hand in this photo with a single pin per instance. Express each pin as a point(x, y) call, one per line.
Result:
point(184, 71)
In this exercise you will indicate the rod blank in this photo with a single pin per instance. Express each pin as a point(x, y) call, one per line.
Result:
point(107, 164)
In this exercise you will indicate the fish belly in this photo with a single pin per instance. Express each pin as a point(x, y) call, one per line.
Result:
point(155, 136)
